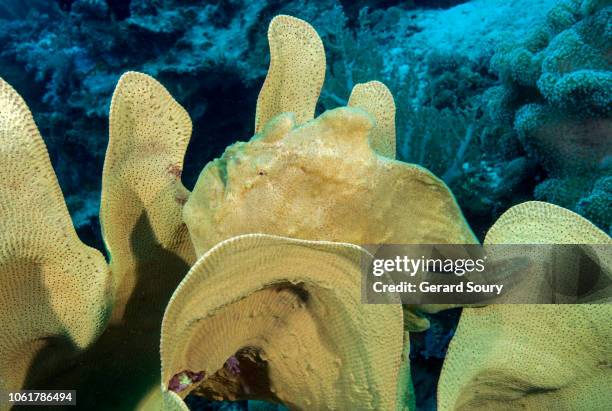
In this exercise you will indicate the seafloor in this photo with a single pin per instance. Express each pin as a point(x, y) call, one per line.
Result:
point(505, 100)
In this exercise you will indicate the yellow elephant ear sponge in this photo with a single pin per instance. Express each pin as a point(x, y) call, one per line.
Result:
point(532, 357)
point(296, 72)
point(142, 194)
point(376, 99)
point(279, 319)
point(54, 291)
point(536, 222)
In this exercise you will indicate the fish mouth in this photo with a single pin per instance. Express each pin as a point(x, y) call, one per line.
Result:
point(221, 167)
point(221, 164)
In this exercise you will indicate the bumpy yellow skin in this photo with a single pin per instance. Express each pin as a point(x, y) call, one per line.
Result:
point(332, 178)
point(321, 181)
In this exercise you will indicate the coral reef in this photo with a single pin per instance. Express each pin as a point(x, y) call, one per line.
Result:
point(556, 93)
point(150, 249)
point(212, 58)
point(505, 101)
point(88, 47)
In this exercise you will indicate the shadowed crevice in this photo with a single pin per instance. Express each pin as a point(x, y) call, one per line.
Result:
point(124, 363)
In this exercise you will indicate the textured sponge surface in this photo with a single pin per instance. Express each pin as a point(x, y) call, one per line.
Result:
point(53, 286)
point(533, 357)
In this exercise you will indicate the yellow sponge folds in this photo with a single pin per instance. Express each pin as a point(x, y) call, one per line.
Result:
point(55, 292)
point(296, 72)
point(142, 193)
point(532, 357)
point(289, 314)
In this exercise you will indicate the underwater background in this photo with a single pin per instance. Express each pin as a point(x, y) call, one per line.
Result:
point(505, 100)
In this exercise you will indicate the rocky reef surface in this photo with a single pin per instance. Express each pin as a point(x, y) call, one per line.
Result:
point(507, 101)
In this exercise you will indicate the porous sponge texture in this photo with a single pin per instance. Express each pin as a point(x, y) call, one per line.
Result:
point(533, 357)
point(298, 305)
point(142, 193)
point(296, 72)
point(59, 294)
point(375, 98)
point(54, 288)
